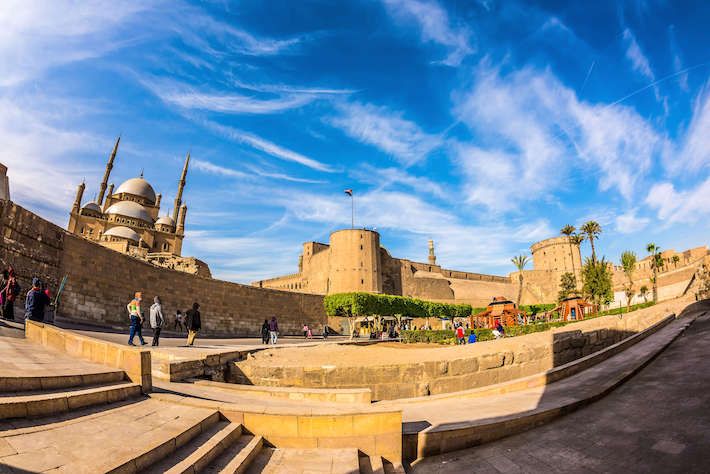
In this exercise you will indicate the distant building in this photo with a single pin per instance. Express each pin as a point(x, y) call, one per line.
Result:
point(129, 221)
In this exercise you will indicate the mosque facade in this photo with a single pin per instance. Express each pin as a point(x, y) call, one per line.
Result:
point(127, 219)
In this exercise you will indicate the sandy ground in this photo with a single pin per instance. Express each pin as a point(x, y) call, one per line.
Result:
point(394, 353)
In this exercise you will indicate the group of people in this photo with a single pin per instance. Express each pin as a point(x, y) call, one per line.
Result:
point(460, 333)
point(191, 320)
point(37, 299)
point(270, 331)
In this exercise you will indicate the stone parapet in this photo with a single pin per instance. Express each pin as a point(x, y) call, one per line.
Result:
point(135, 363)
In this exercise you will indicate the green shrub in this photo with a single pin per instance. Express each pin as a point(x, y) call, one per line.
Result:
point(370, 304)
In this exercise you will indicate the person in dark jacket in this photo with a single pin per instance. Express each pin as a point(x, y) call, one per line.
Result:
point(194, 324)
point(36, 301)
point(273, 330)
point(265, 332)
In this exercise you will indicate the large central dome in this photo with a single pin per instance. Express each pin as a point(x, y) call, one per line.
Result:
point(138, 187)
point(130, 209)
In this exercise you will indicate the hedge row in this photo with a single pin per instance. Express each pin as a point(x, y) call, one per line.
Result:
point(444, 336)
point(622, 310)
point(369, 304)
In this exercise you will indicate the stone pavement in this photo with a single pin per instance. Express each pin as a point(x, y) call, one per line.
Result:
point(306, 461)
point(658, 421)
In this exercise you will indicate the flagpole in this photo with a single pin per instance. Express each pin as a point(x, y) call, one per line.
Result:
point(352, 211)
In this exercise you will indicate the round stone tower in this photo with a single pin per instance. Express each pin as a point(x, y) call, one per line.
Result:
point(556, 254)
point(355, 261)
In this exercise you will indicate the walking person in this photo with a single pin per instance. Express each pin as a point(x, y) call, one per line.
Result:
point(10, 292)
point(136, 317)
point(265, 332)
point(273, 330)
point(179, 320)
point(194, 323)
point(305, 331)
point(325, 332)
point(460, 334)
point(156, 319)
point(36, 301)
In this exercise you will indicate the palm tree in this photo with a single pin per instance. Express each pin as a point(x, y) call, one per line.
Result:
point(520, 261)
point(655, 252)
point(568, 230)
point(577, 240)
point(628, 263)
point(592, 229)
point(675, 259)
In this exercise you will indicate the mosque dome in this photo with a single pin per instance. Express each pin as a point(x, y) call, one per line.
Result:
point(130, 209)
point(138, 187)
point(123, 233)
point(165, 220)
point(92, 206)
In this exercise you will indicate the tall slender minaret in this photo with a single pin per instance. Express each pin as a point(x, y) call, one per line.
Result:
point(79, 195)
point(181, 186)
point(432, 257)
point(180, 229)
point(107, 173)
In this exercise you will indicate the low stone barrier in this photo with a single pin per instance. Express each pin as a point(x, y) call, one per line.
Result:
point(330, 395)
point(375, 432)
point(134, 362)
point(458, 369)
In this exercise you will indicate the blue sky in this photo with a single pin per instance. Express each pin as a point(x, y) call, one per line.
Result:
point(485, 125)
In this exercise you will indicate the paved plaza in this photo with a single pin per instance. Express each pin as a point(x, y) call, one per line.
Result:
point(656, 422)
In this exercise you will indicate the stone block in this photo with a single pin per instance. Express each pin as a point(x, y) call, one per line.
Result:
point(267, 424)
point(325, 426)
point(490, 361)
point(463, 366)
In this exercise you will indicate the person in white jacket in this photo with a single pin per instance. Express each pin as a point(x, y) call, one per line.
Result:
point(156, 319)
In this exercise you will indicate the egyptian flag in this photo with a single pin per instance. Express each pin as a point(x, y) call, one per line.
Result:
point(349, 192)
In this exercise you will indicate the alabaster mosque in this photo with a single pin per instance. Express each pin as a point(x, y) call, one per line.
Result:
point(129, 220)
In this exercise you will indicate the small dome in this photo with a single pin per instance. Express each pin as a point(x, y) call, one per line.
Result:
point(138, 187)
point(92, 206)
point(130, 209)
point(166, 220)
point(124, 233)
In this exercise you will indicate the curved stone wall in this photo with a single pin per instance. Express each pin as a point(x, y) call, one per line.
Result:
point(415, 373)
point(101, 282)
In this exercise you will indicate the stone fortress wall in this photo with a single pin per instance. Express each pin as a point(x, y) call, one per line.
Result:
point(101, 282)
point(350, 263)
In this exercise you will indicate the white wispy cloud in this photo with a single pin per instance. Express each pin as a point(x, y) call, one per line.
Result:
point(254, 171)
point(385, 129)
point(385, 177)
point(38, 35)
point(630, 222)
point(531, 126)
point(639, 61)
point(434, 27)
point(694, 148)
point(188, 97)
point(265, 146)
point(687, 206)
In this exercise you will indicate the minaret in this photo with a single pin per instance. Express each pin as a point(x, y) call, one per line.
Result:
point(181, 220)
point(158, 198)
point(107, 173)
point(79, 195)
point(181, 186)
point(432, 257)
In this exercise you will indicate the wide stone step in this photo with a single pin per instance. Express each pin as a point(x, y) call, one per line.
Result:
point(302, 461)
point(238, 457)
point(57, 402)
point(200, 451)
point(125, 439)
point(19, 383)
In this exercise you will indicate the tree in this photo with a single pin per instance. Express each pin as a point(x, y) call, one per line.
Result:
point(592, 229)
point(596, 279)
point(644, 293)
point(656, 263)
point(576, 240)
point(628, 263)
point(568, 285)
point(568, 231)
point(675, 259)
point(520, 261)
